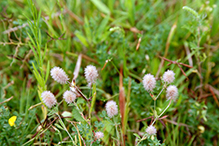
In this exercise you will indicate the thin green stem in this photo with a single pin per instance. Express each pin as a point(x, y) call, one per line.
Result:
point(117, 132)
point(143, 138)
point(115, 66)
point(156, 99)
point(160, 92)
point(162, 112)
point(63, 125)
point(90, 106)
point(154, 108)
point(135, 76)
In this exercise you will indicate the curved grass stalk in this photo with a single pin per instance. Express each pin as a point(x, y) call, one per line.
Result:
point(63, 125)
point(162, 112)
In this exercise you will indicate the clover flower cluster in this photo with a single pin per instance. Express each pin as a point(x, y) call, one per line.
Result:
point(111, 108)
point(48, 99)
point(151, 130)
point(91, 74)
point(149, 83)
point(168, 76)
point(59, 75)
point(99, 135)
point(172, 92)
point(69, 96)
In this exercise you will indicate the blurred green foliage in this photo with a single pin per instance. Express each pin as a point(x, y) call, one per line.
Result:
point(60, 30)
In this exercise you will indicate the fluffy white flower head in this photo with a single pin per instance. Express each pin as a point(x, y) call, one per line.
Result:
point(91, 74)
point(59, 75)
point(48, 99)
point(69, 96)
point(151, 130)
point(111, 108)
point(172, 92)
point(149, 82)
point(99, 135)
point(168, 76)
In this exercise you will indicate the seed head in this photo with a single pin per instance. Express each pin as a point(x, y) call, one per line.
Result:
point(99, 135)
point(91, 74)
point(111, 108)
point(59, 75)
point(151, 130)
point(168, 76)
point(149, 82)
point(48, 98)
point(172, 92)
point(69, 96)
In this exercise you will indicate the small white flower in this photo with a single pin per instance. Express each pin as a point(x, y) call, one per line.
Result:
point(149, 82)
point(99, 135)
point(168, 76)
point(111, 108)
point(48, 99)
point(172, 92)
point(151, 130)
point(59, 75)
point(91, 74)
point(69, 96)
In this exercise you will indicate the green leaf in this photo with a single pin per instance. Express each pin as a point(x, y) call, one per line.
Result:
point(93, 99)
point(77, 115)
point(58, 126)
point(102, 26)
point(108, 126)
point(81, 38)
point(37, 75)
point(44, 54)
point(47, 70)
point(130, 5)
point(80, 101)
point(101, 6)
point(87, 30)
point(135, 134)
point(34, 52)
point(31, 39)
point(60, 134)
point(66, 114)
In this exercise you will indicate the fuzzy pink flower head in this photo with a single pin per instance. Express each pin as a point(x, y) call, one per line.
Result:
point(59, 75)
point(91, 74)
point(111, 108)
point(168, 76)
point(172, 92)
point(48, 99)
point(151, 130)
point(149, 82)
point(69, 96)
point(99, 135)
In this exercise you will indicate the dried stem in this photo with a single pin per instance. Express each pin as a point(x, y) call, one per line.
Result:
point(178, 64)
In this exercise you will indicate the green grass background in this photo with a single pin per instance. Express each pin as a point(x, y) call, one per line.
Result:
point(44, 34)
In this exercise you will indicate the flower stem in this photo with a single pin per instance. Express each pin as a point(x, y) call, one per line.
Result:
point(162, 112)
point(63, 125)
point(154, 108)
point(117, 132)
point(160, 92)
